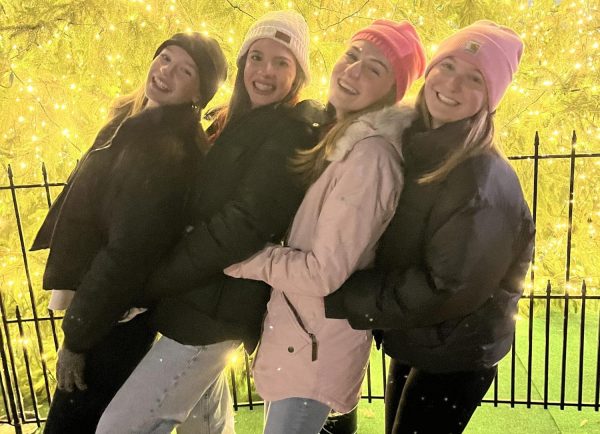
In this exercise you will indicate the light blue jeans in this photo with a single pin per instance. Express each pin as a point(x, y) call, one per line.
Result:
point(295, 416)
point(173, 384)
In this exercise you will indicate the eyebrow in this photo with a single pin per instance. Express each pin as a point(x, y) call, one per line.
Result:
point(371, 59)
point(474, 71)
point(288, 58)
point(186, 62)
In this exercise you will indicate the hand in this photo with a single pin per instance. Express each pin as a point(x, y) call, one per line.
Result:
point(69, 370)
point(234, 270)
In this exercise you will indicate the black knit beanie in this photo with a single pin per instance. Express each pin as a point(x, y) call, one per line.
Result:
point(208, 57)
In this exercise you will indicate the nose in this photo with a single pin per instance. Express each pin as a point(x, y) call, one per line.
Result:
point(268, 69)
point(455, 83)
point(167, 68)
point(353, 70)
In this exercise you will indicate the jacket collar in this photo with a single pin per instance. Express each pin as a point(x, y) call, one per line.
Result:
point(180, 120)
point(389, 123)
point(426, 149)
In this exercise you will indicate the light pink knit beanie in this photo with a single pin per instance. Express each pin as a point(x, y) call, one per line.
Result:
point(494, 49)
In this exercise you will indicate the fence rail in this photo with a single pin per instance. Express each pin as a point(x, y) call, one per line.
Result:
point(547, 366)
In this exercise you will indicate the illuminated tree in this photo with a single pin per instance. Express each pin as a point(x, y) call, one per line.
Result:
point(61, 63)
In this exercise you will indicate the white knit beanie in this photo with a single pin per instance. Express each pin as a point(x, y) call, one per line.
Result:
point(286, 27)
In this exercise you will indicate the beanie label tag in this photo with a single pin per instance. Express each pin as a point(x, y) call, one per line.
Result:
point(472, 47)
point(283, 36)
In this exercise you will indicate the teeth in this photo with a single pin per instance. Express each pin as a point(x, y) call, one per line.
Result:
point(264, 87)
point(347, 88)
point(161, 84)
point(446, 100)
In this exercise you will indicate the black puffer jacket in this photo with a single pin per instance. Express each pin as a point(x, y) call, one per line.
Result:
point(123, 207)
point(451, 264)
point(246, 197)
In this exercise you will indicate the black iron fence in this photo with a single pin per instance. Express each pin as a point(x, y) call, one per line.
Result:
point(555, 359)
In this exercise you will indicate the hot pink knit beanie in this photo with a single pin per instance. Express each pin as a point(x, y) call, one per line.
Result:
point(401, 46)
point(495, 50)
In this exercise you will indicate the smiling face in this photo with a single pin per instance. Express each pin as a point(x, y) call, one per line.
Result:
point(361, 77)
point(173, 78)
point(269, 72)
point(454, 90)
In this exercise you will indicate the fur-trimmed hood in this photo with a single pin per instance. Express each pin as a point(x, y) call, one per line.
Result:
point(389, 123)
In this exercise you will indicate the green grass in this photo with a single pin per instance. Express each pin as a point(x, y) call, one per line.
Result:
point(490, 419)
point(503, 419)
point(486, 420)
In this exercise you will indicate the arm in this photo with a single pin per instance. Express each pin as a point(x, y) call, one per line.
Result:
point(467, 257)
point(148, 192)
point(259, 212)
point(352, 218)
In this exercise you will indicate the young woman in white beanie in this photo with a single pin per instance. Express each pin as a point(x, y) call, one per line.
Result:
point(122, 209)
point(245, 197)
point(451, 265)
point(307, 364)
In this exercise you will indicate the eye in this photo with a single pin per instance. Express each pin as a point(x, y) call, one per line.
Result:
point(283, 63)
point(188, 72)
point(375, 71)
point(447, 66)
point(476, 79)
point(255, 57)
point(351, 56)
point(165, 57)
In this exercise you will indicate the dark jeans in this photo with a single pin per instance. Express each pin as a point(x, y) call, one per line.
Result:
point(108, 365)
point(422, 402)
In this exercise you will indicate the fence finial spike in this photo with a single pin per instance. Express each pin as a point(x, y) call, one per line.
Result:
point(574, 138)
point(536, 140)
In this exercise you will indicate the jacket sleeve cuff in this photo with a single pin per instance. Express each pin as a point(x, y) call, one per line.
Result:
point(356, 300)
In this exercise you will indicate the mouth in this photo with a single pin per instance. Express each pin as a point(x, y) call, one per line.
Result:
point(263, 88)
point(446, 100)
point(346, 88)
point(160, 84)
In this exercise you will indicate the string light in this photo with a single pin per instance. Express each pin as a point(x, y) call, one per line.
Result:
point(62, 87)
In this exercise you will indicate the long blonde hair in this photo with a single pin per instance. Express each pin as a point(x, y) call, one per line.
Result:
point(479, 140)
point(128, 105)
point(311, 163)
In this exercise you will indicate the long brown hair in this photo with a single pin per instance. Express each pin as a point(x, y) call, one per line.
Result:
point(311, 163)
point(479, 140)
point(240, 104)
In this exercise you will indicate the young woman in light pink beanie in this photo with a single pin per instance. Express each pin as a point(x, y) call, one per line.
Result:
point(451, 264)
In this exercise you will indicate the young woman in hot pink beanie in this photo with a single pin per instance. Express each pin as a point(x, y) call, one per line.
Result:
point(307, 364)
point(451, 264)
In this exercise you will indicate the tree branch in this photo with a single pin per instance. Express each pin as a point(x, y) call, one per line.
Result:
point(239, 9)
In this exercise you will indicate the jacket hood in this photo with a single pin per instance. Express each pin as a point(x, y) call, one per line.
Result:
point(389, 123)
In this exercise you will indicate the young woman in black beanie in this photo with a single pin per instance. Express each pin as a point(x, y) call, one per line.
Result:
point(246, 197)
point(123, 207)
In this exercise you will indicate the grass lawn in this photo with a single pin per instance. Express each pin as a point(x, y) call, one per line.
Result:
point(501, 419)
point(486, 420)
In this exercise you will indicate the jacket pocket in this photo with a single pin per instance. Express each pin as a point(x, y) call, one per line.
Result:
point(282, 335)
